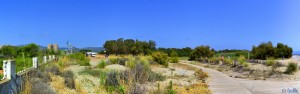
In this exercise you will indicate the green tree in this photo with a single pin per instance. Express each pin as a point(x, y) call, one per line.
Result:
point(282, 50)
point(9, 51)
point(30, 50)
point(201, 52)
point(263, 51)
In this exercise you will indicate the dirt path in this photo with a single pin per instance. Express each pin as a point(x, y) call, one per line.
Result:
point(223, 84)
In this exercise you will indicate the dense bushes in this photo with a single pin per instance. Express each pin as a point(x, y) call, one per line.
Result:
point(242, 61)
point(129, 81)
point(266, 50)
point(80, 58)
point(23, 63)
point(173, 57)
point(291, 68)
point(160, 58)
point(201, 52)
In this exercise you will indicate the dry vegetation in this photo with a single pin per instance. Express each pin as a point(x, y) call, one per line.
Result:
point(117, 75)
point(271, 70)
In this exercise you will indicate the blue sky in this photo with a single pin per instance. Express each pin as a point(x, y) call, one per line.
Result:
point(222, 24)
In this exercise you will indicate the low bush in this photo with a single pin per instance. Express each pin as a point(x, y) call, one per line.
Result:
point(201, 75)
point(69, 79)
point(153, 76)
point(241, 60)
point(270, 62)
point(122, 61)
point(112, 80)
point(160, 58)
point(102, 64)
point(174, 60)
point(245, 64)
point(52, 68)
point(80, 58)
point(113, 60)
point(291, 68)
point(39, 87)
point(228, 61)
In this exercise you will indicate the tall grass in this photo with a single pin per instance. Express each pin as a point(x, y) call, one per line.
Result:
point(80, 58)
point(101, 64)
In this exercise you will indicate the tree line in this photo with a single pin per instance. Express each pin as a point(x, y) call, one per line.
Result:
point(129, 46)
point(135, 47)
point(29, 50)
point(181, 52)
point(266, 50)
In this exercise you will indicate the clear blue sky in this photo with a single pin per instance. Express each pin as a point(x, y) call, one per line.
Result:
point(231, 24)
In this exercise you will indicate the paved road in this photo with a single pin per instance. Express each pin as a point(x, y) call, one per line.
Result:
point(221, 83)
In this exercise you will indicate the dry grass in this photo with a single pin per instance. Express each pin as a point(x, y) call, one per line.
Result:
point(59, 86)
point(79, 89)
point(197, 88)
point(64, 62)
point(27, 88)
point(99, 90)
point(184, 66)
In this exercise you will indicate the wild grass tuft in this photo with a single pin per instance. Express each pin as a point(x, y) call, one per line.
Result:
point(291, 68)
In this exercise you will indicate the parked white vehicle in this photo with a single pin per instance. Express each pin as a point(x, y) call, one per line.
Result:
point(91, 54)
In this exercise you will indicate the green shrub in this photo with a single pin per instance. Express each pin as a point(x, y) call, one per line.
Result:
point(241, 59)
point(113, 60)
point(270, 62)
point(102, 64)
point(160, 58)
point(174, 60)
point(122, 61)
point(23, 63)
point(201, 52)
point(1, 63)
point(1, 76)
point(80, 58)
point(291, 68)
point(245, 64)
point(228, 61)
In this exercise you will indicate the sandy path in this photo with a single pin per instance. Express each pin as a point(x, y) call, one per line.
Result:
point(220, 83)
point(223, 84)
